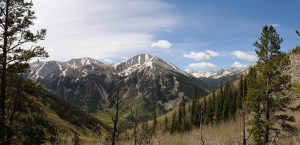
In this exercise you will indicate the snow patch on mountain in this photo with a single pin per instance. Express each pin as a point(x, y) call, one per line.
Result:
point(224, 72)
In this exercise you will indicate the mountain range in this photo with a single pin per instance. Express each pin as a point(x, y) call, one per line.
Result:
point(213, 79)
point(145, 80)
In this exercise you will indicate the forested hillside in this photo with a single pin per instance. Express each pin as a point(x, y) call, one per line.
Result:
point(242, 104)
point(40, 117)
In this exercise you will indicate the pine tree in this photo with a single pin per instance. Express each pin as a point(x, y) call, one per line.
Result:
point(182, 118)
point(226, 101)
point(268, 94)
point(220, 100)
point(16, 18)
point(193, 111)
point(214, 106)
point(174, 123)
point(233, 100)
point(208, 113)
point(254, 101)
point(241, 105)
point(240, 93)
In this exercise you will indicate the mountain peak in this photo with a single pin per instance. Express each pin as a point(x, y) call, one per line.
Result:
point(134, 63)
point(80, 62)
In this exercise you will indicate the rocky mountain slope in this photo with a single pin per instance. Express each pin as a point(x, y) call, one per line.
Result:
point(145, 79)
point(294, 70)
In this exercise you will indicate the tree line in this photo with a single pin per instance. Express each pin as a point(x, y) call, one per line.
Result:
point(221, 105)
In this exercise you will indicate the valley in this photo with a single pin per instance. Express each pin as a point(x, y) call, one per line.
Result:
point(149, 72)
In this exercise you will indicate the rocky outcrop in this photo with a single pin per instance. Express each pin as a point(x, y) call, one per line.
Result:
point(294, 69)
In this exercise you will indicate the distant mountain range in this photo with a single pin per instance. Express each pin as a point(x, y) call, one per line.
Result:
point(144, 80)
point(214, 78)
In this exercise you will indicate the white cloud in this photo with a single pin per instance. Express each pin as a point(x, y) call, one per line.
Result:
point(197, 55)
point(238, 65)
point(244, 56)
point(161, 44)
point(275, 25)
point(101, 28)
point(212, 53)
point(201, 65)
point(201, 55)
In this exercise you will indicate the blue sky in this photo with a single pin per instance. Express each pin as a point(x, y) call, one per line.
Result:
point(200, 35)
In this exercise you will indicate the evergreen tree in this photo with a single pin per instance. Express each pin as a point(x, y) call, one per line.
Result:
point(193, 115)
point(240, 93)
point(207, 113)
point(16, 18)
point(254, 101)
point(182, 115)
point(241, 105)
point(214, 106)
point(226, 101)
point(233, 98)
point(220, 100)
point(268, 93)
point(174, 123)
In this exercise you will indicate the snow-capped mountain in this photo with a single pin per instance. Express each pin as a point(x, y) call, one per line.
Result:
point(214, 78)
point(44, 69)
point(89, 83)
point(224, 72)
point(142, 61)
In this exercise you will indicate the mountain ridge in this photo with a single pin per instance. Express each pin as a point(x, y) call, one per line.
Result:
point(148, 78)
point(214, 78)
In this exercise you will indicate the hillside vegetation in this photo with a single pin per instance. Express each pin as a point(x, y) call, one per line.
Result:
point(43, 118)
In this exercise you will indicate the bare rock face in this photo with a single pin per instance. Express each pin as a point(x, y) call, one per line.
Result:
point(294, 70)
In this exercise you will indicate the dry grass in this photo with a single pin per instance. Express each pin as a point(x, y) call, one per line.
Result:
point(228, 133)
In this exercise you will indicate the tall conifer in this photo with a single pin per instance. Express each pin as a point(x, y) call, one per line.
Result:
point(268, 94)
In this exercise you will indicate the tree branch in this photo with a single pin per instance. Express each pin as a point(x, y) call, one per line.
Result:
point(273, 140)
point(249, 135)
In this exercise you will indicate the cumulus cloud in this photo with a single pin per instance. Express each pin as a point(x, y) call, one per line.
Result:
point(101, 28)
point(201, 65)
point(238, 65)
point(161, 44)
point(244, 56)
point(201, 55)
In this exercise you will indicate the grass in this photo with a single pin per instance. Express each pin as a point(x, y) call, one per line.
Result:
point(226, 133)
